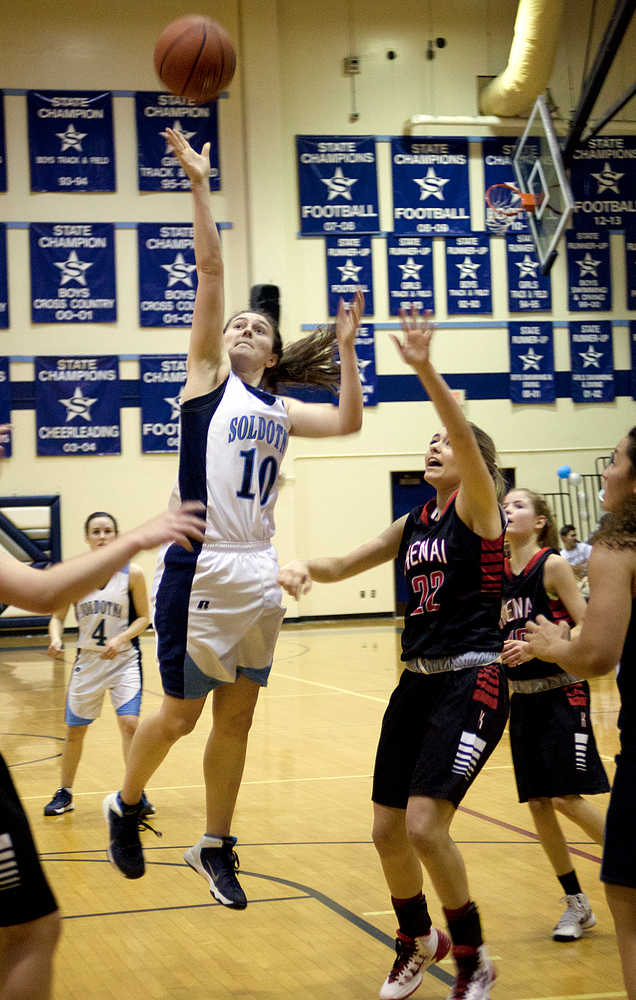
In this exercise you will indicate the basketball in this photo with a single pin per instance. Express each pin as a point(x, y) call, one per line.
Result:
point(195, 58)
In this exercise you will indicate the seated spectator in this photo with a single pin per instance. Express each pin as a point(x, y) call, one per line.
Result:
point(577, 554)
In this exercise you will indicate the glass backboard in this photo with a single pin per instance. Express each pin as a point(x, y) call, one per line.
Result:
point(539, 171)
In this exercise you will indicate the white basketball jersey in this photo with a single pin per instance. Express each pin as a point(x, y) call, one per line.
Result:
point(233, 440)
point(104, 613)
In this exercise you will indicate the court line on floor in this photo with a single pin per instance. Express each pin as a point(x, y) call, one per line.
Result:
point(306, 892)
point(519, 829)
point(333, 687)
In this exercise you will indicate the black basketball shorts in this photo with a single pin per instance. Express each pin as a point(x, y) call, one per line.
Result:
point(25, 893)
point(438, 732)
point(552, 743)
point(619, 857)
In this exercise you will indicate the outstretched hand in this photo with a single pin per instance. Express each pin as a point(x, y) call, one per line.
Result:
point(294, 577)
point(348, 319)
point(418, 332)
point(541, 636)
point(196, 165)
point(178, 525)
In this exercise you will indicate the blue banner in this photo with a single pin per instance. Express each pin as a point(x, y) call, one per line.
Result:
point(531, 362)
point(365, 352)
point(410, 267)
point(167, 273)
point(5, 408)
point(468, 286)
point(3, 154)
point(161, 379)
point(603, 180)
point(71, 145)
point(430, 185)
point(158, 169)
point(4, 284)
point(337, 184)
point(592, 362)
point(528, 289)
point(497, 156)
point(630, 267)
point(349, 266)
point(77, 406)
point(73, 272)
point(589, 271)
point(632, 338)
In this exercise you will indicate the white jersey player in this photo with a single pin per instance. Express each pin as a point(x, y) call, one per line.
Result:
point(218, 612)
point(108, 658)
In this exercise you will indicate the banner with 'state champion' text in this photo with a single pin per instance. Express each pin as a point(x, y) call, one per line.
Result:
point(167, 273)
point(73, 272)
point(158, 169)
point(161, 379)
point(71, 145)
point(77, 402)
point(430, 185)
point(337, 184)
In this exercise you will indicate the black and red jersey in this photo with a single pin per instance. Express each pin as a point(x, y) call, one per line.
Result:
point(454, 580)
point(525, 597)
point(627, 688)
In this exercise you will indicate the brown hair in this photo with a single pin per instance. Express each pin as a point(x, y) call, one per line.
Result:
point(99, 513)
point(488, 451)
point(310, 361)
point(617, 529)
point(548, 534)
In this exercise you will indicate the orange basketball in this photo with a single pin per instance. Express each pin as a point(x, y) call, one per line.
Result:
point(195, 58)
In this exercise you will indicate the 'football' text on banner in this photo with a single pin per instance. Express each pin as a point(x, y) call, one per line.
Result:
point(589, 273)
point(528, 289)
point(158, 168)
point(430, 185)
point(531, 362)
point(71, 145)
point(497, 155)
point(73, 272)
point(365, 353)
point(630, 267)
point(468, 285)
point(349, 267)
point(161, 379)
point(591, 362)
point(77, 406)
point(410, 267)
point(5, 407)
point(3, 154)
point(4, 284)
point(167, 273)
point(337, 184)
point(603, 179)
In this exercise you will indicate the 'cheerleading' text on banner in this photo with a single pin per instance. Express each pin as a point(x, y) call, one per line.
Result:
point(77, 401)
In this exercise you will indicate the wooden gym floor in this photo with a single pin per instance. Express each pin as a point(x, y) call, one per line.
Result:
point(319, 922)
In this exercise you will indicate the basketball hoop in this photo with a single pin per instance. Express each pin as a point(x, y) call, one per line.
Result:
point(506, 202)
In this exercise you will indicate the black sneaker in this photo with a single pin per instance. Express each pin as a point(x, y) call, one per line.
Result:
point(62, 802)
point(218, 864)
point(124, 824)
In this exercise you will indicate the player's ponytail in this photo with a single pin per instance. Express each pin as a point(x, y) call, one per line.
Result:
point(488, 451)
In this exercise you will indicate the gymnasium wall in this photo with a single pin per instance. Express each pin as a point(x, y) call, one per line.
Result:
point(336, 492)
